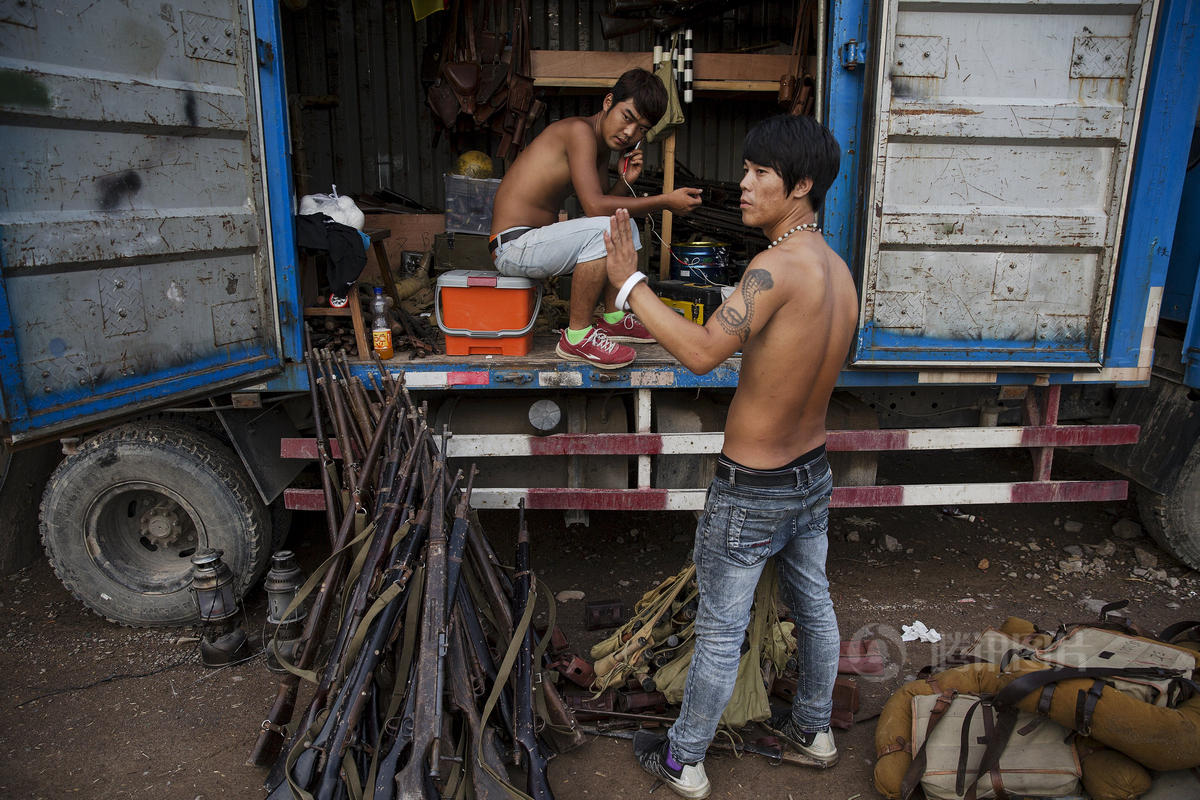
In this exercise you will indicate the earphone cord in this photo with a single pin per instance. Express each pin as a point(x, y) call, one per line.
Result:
point(654, 231)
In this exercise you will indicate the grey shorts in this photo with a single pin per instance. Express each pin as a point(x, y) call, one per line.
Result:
point(556, 249)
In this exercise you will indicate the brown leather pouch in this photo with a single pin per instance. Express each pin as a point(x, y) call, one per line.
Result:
point(443, 102)
point(787, 90)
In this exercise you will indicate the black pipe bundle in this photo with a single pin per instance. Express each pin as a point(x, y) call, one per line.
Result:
point(397, 701)
point(717, 219)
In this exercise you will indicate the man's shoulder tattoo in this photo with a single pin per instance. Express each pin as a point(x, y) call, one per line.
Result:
point(733, 321)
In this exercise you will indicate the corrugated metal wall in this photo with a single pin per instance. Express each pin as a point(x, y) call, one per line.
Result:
point(359, 118)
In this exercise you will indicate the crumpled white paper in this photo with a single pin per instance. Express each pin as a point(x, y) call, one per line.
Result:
point(918, 630)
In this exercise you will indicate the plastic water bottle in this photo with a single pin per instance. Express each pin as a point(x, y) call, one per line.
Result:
point(381, 331)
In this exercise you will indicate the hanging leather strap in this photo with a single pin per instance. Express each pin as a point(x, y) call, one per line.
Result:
point(989, 732)
point(1043, 706)
point(916, 770)
point(964, 748)
point(1085, 706)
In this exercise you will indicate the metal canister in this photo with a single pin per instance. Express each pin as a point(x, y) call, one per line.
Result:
point(700, 262)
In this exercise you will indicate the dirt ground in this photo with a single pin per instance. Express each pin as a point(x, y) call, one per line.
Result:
point(94, 710)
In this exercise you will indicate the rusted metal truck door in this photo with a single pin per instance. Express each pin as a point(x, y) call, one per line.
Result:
point(1001, 157)
point(133, 227)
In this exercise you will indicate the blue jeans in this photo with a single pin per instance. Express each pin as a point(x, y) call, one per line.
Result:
point(741, 527)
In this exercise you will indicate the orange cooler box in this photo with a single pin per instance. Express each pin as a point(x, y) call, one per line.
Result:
point(483, 312)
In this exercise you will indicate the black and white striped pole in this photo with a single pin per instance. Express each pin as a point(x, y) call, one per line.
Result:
point(687, 66)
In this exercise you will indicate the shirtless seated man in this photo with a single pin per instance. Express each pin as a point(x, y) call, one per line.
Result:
point(793, 317)
point(574, 153)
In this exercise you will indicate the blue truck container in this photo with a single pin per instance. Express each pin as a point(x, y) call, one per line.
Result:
point(1018, 200)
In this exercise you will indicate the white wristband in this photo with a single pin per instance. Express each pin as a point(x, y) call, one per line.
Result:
point(627, 287)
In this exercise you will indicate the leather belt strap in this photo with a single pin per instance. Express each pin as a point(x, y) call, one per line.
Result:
point(793, 476)
point(504, 237)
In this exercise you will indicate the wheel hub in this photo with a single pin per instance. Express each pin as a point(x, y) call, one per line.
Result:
point(161, 524)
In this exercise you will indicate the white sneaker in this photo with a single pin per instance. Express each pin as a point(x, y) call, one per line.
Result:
point(816, 748)
point(653, 753)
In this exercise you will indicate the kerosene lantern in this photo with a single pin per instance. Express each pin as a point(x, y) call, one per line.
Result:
point(222, 640)
point(282, 584)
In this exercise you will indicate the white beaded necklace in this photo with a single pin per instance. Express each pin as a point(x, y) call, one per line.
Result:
point(808, 226)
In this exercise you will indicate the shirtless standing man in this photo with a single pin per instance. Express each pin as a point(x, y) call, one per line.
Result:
point(573, 153)
point(793, 317)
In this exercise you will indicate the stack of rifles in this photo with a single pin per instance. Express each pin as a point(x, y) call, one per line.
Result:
point(427, 686)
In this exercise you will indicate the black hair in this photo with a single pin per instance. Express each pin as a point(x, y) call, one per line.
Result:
point(796, 148)
point(649, 95)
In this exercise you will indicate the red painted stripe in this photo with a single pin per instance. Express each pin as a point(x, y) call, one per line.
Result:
point(1069, 491)
point(598, 499)
point(867, 496)
point(468, 378)
point(304, 499)
point(844, 441)
point(596, 444)
point(306, 449)
point(1079, 435)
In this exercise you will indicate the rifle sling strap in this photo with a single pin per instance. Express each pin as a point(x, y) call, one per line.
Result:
point(317, 577)
point(502, 673)
point(412, 622)
point(381, 602)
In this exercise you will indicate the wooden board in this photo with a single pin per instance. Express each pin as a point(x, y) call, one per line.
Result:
point(743, 72)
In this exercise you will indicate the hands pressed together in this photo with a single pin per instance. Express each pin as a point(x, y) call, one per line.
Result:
point(622, 256)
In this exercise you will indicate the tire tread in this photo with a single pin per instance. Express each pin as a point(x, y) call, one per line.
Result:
point(207, 451)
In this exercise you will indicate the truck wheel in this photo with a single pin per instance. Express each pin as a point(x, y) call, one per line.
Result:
point(1173, 519)
point(122, 517)
point(23, 475)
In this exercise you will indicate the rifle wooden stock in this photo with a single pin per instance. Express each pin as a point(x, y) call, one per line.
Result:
point(385, 778)
point(458, 538)
point(486, 570)
point(352, 449)
point(357, 404)
point(386, 524)
point(328, 470)
point(616, 27)
point(482, 655)
point(462, 699)
point(564, 731)
point(537, 785)
point(412, 780)
point(273, 735)
point(358, 690)
point(314, 624)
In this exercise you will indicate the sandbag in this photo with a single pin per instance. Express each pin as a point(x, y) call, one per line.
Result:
point(1039, 759)
point(1152, 736)
point(1111, 775)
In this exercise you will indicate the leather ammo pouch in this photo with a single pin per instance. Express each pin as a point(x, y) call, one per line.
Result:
point(790, 83)
point(462, 73)
point(950, 734)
